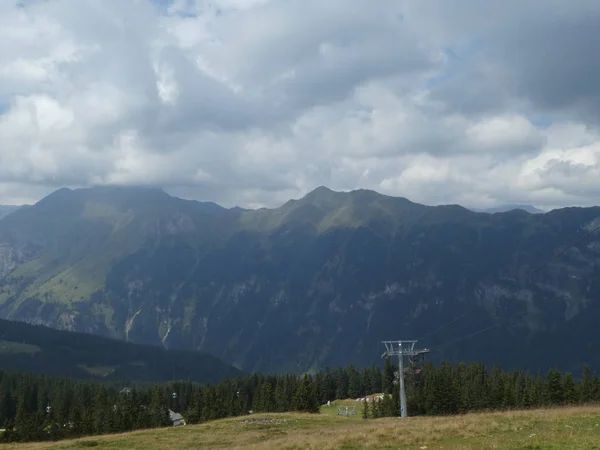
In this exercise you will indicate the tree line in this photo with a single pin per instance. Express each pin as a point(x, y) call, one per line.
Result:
point(34, 407)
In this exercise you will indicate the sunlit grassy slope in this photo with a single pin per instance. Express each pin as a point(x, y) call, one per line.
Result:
point(563, 428)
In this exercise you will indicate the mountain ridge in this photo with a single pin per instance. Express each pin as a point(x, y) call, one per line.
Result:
point(318, 274)
point(5, 210)
point(509, 207)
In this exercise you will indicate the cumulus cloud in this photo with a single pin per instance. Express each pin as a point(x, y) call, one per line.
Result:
point(251, 102)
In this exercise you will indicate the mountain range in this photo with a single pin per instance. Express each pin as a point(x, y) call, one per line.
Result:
point(319, 281)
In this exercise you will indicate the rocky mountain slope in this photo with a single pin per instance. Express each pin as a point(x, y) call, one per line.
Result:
point(318, 281)
point(38, 349)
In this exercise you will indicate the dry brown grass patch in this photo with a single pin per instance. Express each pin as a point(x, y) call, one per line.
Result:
point(569, 427)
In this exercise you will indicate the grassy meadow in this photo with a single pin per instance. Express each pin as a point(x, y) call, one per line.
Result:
point(560, 428)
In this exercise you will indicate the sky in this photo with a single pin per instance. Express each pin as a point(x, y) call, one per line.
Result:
point(253, 102)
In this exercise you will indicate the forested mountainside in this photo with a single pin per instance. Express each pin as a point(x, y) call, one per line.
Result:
point(42, 350)
point(318, 281)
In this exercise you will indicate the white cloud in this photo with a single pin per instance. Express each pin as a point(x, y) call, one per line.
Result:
point(504, 133)
point(251, 102)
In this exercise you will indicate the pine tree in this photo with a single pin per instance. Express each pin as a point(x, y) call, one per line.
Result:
point(444, 396)
point(387, 377)
point(570, 390)
point(281, 402)
point(586, 386)
point(329, 386)
point(376, 380)
point(76, 420)
point(388, 408)
point(595, 388)
point(305, 399)
point(320, 388)
point(355, 387)
point(159, 412)
point(376, 410)
point(497, 388)
point(554, 388)
point(23, 420)
point(365, 411)
point(341, 391)
point(366, 382)
point(100, 412)
point(265, 399)
point(4, 407)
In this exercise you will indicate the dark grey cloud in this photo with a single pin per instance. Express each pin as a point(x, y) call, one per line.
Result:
point(533, 56)
point(552, 64)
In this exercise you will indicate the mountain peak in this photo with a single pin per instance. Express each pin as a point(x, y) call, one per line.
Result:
point(127, 190)
point(320, 192)
point(105, 191)
point(96, 201)
point(324, 194)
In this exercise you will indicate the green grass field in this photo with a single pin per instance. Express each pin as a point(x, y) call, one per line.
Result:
point(9, 348)
point(560, 428)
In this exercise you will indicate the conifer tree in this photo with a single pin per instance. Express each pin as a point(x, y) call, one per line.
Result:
point(586, 386)
point(376, 380)
point(366, 382)
point(305, 399)
point(281, 403)
point(595, 388)
point(387, 407)
point(387, 377)
point(497, 388)
point(100, 411)
point(329, 386)
point(376, 409)
point(355, 388)
point(341, 391)
point(570, 390)
point(265, 400)
point(4, 407)
point(22, 418)
point(554, 388)
point(320, 388)
point(365, 411)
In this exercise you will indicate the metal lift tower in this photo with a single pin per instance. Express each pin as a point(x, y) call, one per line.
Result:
point(402, 349)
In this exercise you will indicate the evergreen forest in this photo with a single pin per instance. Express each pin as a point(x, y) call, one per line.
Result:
point(36, 408)
point(37, 349)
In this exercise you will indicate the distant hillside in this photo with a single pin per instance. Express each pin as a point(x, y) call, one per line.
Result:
point(38, 349)
point(505, 208)
point(7, 209)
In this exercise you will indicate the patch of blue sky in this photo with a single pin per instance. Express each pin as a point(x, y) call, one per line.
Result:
point(541, 121)
point(185, 8)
